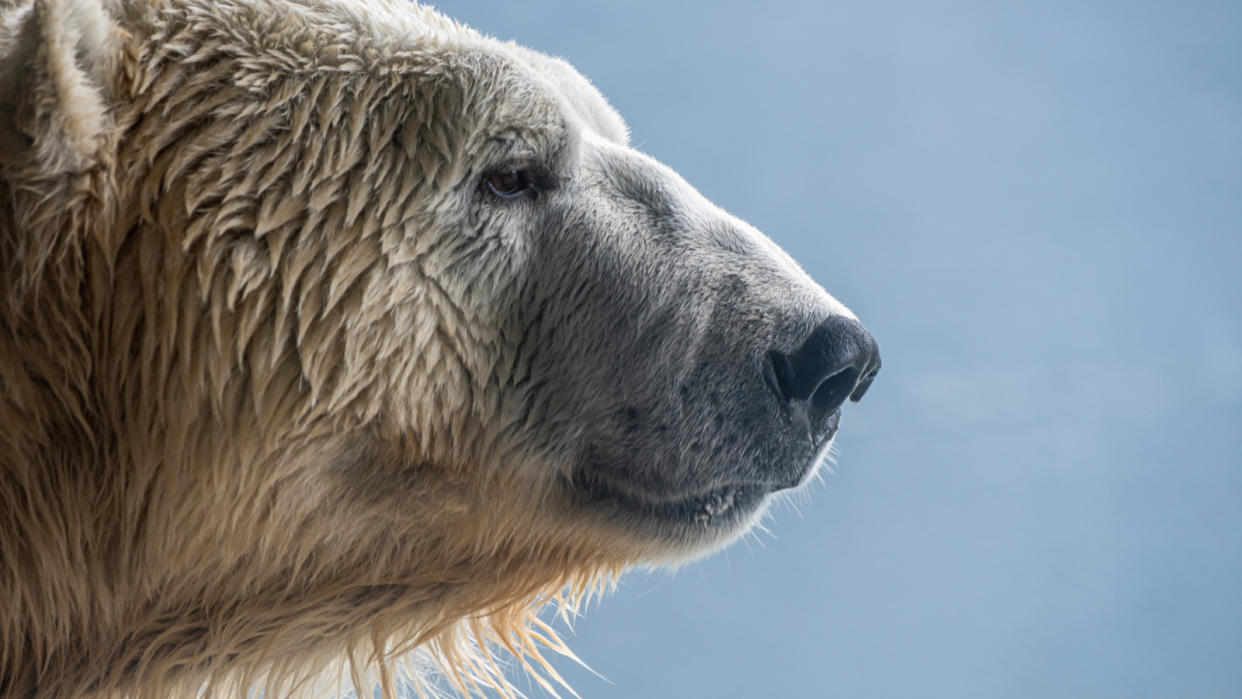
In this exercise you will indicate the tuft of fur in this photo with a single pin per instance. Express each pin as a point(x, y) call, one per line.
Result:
point(241, 436)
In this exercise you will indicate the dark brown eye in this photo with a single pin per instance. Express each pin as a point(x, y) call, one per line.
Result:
point(507, 184)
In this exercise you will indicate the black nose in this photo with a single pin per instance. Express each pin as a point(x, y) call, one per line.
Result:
point(837, 362)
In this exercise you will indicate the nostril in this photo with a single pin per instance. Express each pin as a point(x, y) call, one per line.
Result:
point(836, 363)
point(833, 391)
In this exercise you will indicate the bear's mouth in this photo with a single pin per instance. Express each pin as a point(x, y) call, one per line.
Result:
point(720, 506)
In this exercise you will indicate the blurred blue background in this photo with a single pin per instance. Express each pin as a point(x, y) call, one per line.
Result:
point(1037, 210)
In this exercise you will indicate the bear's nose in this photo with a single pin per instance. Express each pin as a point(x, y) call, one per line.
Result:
point(837, 362)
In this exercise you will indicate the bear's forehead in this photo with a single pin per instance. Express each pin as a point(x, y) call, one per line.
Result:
point(374, 32)
point(576, 92)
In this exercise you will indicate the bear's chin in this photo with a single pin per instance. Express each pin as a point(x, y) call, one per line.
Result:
point(714, 508)
point(678, 529)
point(695, 518)
point(686, 525)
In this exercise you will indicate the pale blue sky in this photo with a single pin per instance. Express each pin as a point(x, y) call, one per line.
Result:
point(1037, 209)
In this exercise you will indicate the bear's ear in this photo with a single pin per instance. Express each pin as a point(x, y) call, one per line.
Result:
point(55, 56)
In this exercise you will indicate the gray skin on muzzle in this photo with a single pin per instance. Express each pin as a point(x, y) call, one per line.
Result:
point(645, 325)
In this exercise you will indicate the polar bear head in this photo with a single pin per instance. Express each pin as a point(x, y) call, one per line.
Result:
point(333, 326)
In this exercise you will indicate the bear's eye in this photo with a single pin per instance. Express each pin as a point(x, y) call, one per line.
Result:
point(507, 183)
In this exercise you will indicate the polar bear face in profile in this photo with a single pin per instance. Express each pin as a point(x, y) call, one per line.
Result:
point(335, 331)
point(677, 365)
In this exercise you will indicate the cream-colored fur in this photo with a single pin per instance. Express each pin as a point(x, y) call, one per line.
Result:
point(211, 316)
point(266, 423)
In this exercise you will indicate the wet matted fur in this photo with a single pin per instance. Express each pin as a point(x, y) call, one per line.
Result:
point(292, 389)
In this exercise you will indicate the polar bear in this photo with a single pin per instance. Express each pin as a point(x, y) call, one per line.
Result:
point(334, 333)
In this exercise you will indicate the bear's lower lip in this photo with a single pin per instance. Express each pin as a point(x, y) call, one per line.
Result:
point(719, 506)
